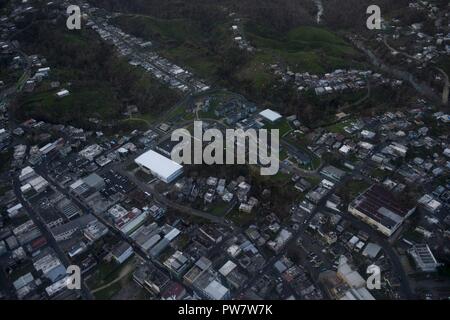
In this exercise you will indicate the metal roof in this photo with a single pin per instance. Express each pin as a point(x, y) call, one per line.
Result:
point(157, 163)
point(270, 115)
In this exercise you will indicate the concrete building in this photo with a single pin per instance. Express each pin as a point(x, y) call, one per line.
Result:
point(333, 173)
point(270, 115)
point(201, 266)
point(161, 167)
point(357, 285)
point(210, 287)
point(94, 181)
point(151, 278)
point(122, 252)
point(378, 208)
point(424, 258)
point(66, 231)
point(177, 263)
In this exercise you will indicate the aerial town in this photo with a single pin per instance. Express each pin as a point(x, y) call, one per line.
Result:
point(87, 177)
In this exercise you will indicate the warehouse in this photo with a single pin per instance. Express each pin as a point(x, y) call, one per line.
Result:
point(161, 167)
point(270, 115)
point(378, 208)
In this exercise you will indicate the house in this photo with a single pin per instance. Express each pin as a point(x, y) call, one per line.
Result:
point(333, 173)
point(66, 231)
point(429, 203)
point(177, 263)
point(122, 252)
point(424, 258)
point(62, 93)
point(356, 283)
point(151, 278)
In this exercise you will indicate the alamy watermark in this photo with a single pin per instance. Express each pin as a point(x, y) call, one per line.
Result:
point(73, 280)
point(374, 280)
point(235, 144)
point(74, 19)
point(374, 20)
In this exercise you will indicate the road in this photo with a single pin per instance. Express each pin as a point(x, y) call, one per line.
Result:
point(12, 91)
point(162, 199)
point(446, 87)
point(421, 87)
point(85, 293)
point(392, 255)
point(381, 240)
point(397, 266)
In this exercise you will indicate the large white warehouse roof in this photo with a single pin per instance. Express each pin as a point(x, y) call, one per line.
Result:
point(270, 115)
point(160, 166)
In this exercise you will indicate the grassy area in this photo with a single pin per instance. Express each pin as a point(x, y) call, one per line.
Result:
point(132, 166)
point(280, 177)
point(22, 270)
point(136, 123)
point(109, 292)
point(379, 174)
point(242, 218)
point(282, 125)
point(354, 187)
point(105, 273)
point(179, 111)
point(4, 189)
point(339, 126)
point(219, 208)
point(213, 55)
point(101, 84)
point(283, 154)
point(196, 58)
point(87, 101)
point(5, 159)
point(256, 71)
point(143, 176)
point(163, 30)
point(179, 40)
point(315, 161)
point(306, 49)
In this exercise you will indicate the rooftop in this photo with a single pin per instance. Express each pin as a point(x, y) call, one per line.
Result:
point(270, 115)
point(380, 205)
point(158, 164)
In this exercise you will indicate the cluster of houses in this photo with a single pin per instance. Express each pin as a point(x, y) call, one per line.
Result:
point(135, 50)
point(238, 34)
point(421, 47)
point(339, 80)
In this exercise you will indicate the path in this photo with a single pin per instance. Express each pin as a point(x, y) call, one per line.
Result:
point(123, 273)
point(446, 87)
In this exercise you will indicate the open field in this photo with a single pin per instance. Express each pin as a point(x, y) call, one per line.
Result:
point(306, 49)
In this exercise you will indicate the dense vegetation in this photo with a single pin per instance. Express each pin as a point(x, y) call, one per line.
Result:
point(101, 84)
point(214, 56)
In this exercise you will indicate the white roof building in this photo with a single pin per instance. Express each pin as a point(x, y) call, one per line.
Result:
point(270, 115)
point(163, 168)
point(354, 280)
point(424, 258)
point(62, 93)
point(345, 149)
point(216, 291)
point(227, 268)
